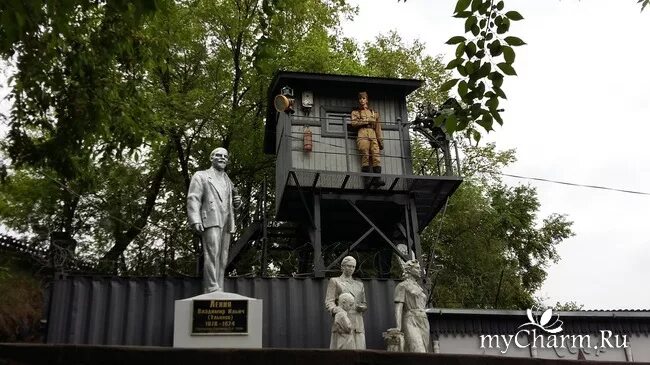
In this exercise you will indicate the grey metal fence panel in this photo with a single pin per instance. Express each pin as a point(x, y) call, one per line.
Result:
point(140, 311)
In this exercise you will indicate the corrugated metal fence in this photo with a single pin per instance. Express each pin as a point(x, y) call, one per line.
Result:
point(140, 311)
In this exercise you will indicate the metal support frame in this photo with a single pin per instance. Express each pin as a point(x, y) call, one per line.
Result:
point(458, 171)
point(265, 239)
point(302, 197)
point(312, 197)
point(345, 181)
point(314, 229)
point(408, 229)
point(409, 241)
point(392, 186)
point(400, 133)
point(414, 228)
point(400, 199)
point(316, 177)
point(447, 156)
point(373, 228)
point(352, 247)
point(315, 236)
point(379, 231)
point(443, 146)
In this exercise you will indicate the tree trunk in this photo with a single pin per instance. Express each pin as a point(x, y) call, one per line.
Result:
point(123, 239)
point(182, 158)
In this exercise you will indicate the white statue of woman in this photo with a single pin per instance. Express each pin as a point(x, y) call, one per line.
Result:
point(410, 301)
point(346, 284)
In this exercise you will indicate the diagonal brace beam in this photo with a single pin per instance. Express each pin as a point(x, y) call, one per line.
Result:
point(302, 198)
point(402, 230)
point(373, 225)
point(355, 244)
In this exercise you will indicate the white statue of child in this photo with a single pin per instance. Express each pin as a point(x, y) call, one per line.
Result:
point(343, 327)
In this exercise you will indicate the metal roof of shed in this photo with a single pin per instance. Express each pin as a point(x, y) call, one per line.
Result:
point(490, 321)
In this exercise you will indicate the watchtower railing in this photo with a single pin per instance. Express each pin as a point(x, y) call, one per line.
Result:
point(334, 153)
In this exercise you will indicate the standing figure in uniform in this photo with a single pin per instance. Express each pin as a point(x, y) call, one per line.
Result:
point(211, 202)
point(369, 139)
point(410, 300)
point(346, 284)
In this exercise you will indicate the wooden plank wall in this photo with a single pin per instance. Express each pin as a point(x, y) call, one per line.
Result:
point(328, 153)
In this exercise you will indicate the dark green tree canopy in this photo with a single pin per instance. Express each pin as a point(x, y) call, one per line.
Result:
point(489, 247)
point(115, 104)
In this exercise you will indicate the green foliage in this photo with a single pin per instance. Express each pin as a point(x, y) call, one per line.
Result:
point(489, 247)
point(486, 48)
point(115, 106)
point(568, 306)
point(27, 197)
point(22, 21)
point(389, 56)
point(478, 56)
point(76, 104)
point(20, 303)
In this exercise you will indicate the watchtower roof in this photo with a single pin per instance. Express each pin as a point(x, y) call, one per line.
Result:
point(335, 84)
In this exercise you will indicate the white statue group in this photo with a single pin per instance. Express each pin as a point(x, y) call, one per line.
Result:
point(211, 201)
point(346, 301)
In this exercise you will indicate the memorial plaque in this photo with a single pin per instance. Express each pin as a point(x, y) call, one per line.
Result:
point(219, 317)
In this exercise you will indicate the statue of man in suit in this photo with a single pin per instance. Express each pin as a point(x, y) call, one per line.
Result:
point(211, 202)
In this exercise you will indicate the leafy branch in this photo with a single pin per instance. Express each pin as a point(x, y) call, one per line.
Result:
point(483, 58)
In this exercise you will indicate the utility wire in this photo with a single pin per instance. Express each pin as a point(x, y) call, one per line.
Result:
point(351, 153)
point(574, 184)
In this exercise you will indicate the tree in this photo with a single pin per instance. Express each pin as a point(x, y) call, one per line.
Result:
point(115, 105)
point(568, 306)
point(389, 56)
point(21, 305)
point(79, 116)
point(488, 247)
point(109, 117)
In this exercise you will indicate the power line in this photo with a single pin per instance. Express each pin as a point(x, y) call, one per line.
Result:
point(575, 184)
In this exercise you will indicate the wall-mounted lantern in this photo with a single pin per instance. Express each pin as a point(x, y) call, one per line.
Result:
point(284, 102)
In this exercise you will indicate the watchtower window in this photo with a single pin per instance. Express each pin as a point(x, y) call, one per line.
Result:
point(334, 121)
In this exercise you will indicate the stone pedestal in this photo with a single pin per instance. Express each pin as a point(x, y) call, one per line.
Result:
point(218, 320)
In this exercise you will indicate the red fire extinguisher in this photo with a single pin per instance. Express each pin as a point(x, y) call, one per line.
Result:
point(307, 143)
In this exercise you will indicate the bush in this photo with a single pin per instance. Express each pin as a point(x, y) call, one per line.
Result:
point(21, 302)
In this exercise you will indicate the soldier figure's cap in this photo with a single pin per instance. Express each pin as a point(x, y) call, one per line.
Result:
point(363, 93)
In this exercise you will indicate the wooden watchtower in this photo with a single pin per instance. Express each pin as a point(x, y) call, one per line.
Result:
point(322, 190)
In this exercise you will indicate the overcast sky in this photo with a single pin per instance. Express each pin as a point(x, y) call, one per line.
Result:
point(577, 112)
